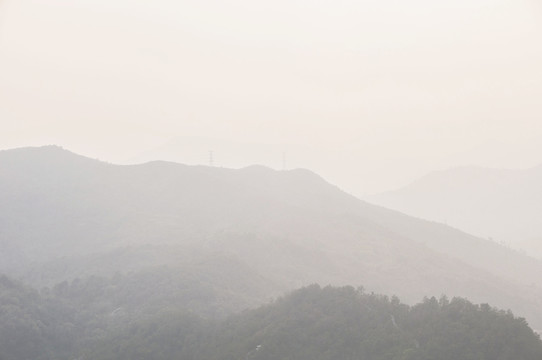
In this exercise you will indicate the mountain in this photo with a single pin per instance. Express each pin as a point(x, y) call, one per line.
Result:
point(257, 232)
point(504, 205)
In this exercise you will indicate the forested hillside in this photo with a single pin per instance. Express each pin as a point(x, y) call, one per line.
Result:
point(114, 319)
point(345, 323)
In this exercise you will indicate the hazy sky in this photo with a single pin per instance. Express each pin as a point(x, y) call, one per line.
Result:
point(373, 93)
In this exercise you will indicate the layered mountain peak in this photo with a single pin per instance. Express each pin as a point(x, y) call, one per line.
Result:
point(62, 214)
point(504, 205)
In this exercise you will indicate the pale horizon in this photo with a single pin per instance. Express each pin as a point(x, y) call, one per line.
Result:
point(370, 95)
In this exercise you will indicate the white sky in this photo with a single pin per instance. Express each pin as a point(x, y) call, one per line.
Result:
point(376, 92)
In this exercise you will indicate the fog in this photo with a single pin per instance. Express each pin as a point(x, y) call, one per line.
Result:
point(396, 214)
point(370, 94)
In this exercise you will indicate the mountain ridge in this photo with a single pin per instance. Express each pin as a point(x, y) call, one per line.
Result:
point(500, 204)
point(291, 227)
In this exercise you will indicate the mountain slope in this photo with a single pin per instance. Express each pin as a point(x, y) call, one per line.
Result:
point(504, 205)
point(64, 215)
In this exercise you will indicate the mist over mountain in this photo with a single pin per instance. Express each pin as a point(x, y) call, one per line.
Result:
point(65, 216)
point(503, 205)
point(380, 91)
point(217, 201)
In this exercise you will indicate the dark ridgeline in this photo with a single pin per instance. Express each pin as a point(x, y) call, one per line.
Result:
point(311, 323)
point(134, 254)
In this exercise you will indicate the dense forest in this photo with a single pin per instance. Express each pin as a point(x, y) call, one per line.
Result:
point(130, 317)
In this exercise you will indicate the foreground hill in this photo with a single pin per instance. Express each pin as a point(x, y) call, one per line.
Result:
point(64, 216)
point(79, 320)
point(505, 205)
point(343, 323)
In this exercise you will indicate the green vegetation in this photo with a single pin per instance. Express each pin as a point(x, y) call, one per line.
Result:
point(344, 323)
point(133, 317)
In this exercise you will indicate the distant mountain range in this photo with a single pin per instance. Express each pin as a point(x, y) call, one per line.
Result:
point(224, 153)
point(503, 205)
point(253, 232)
